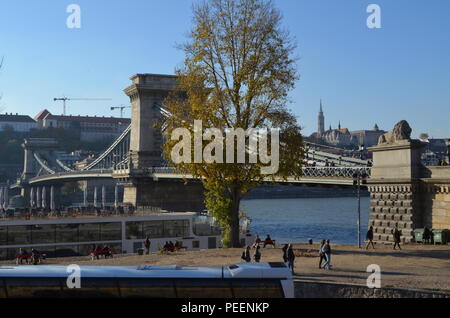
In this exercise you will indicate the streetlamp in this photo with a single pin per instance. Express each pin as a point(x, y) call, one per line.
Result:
point(361, 151)
point(359, 177)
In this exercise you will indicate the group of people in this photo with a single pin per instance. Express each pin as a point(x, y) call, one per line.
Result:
point(325, 254)
point(396, 233)
point(267, 241)
point(33, 258)
point(99, 249)
point(170, 246)
point(289, 256)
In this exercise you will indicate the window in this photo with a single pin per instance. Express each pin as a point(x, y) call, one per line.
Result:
point(65, 251)
point(257, 289)
point(66, 233)
point(20, 234)
point(88, 232)
point(133, 230)
point(3, 235)
point(203, 288)
point(176, 228)
point(43, 233)
point(195, 244)
point(110, 231)
point(153, 229)
point(150, 288)
point(33, 287)
point(95, 288)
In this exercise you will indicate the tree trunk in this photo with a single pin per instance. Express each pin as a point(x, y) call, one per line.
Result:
point(234, 224)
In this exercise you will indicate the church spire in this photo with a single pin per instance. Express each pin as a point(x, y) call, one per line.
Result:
point(320, 121)
point(339, 125)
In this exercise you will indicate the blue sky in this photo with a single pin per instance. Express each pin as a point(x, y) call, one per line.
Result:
point(364, 76)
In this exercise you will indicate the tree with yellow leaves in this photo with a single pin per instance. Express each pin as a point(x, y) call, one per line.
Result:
point(237, 73)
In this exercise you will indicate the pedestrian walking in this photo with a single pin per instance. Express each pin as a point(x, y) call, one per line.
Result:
point(284, 249)
point(291, 258)
point(327, 252)
point(369, 238)
point(321, 253)
point(147, 245)
point(246, 254)
point(397, 237)
point(257, 255)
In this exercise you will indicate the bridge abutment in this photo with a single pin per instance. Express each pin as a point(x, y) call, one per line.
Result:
point(406, 194)
point(394, 189)
point(167, 195)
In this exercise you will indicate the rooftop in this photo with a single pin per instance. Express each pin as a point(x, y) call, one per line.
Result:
point(16, 118)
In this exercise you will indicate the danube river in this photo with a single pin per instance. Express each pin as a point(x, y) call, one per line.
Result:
point(297, 220)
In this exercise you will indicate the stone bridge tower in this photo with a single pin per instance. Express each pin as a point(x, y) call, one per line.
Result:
point(146, 93)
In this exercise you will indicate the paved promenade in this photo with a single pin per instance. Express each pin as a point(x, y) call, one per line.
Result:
point(416, 266)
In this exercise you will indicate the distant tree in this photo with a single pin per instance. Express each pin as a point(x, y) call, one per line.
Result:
point(237, 73)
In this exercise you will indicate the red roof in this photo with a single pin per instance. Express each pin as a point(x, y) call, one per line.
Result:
point(41, 114)
point(92, 119)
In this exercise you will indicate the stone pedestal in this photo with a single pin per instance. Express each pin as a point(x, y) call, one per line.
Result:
point(395, 190)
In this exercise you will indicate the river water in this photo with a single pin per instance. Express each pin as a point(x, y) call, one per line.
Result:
point(297, 220)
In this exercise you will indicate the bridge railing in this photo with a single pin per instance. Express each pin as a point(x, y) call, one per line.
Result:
point(334, 172)
point(315, 172)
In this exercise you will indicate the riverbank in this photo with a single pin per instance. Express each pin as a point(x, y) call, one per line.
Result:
point(414, 267)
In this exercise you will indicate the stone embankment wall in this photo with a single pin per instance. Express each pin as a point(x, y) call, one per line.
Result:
point(306, 289)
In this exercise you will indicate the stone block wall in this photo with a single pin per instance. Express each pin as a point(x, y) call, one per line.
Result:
point(307, 289)
point(436, 206)
point(391, 206)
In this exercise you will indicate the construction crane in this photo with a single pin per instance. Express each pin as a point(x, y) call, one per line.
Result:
point(121, 107)
point(64, 99)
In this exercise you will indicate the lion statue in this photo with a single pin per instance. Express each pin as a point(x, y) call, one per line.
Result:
point(401, 131)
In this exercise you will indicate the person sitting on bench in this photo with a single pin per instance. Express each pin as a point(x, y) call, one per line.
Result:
point(268, 241)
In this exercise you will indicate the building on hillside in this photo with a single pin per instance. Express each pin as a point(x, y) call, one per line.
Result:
point(19, 123)
point(343, 137)
point(367, 138)
point(91, 128)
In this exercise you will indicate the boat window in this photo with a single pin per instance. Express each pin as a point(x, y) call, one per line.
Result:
point(19, 234)
point(93, 287)
point(88, 232)
point(133, 230)
point(277, 264)
point(110, 231)
point(43, 233)
point(3, 235)
point(149, 288)
point(66, 233)
point(257, 289)
point(176, 228)
point(66, 251)
point(203, 288)
point(36, 287)
point(153, 229)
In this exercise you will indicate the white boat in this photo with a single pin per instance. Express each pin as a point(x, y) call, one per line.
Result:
point(124, 233)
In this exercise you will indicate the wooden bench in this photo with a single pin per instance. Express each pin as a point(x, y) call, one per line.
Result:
point(96, 254)
point(173, 249)
point(268, 242)
point(29, 258)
